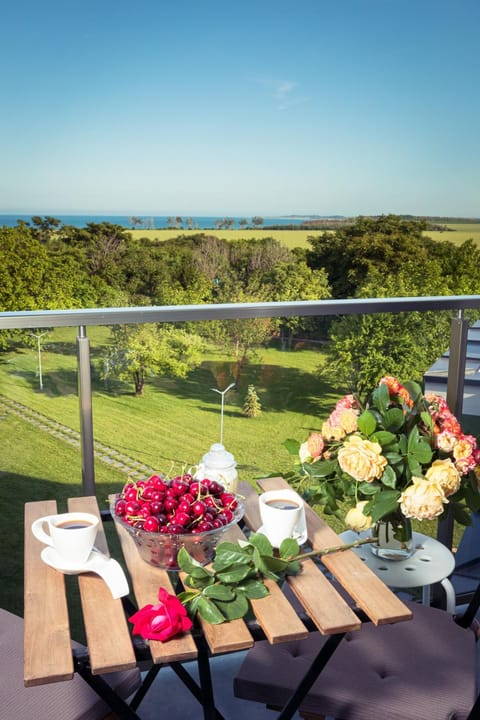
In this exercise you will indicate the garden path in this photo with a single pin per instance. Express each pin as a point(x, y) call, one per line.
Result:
point(136, 469)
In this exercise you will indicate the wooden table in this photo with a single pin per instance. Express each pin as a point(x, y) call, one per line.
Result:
point(48, 652)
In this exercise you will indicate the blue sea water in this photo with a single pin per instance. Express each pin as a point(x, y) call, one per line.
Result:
point(154, 222)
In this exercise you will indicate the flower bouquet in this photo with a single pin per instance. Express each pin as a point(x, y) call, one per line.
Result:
point(400, 450)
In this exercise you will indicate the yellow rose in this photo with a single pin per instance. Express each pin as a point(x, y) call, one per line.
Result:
point(348, 420)
point(362, 459)
point(423, 500)
point(355, 518)
point(330, 432)
point(445, 474)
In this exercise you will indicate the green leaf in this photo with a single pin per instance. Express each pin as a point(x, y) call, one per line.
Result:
point(381, 398)
point(187, 563)
point(368, 488)
point(382, 504)
point(388, 477)
point(414, 390)
point(289, 548)
point(234, 610)
point(383, 437)
point(187, 596)
point(367, 423)
point(293, 446)
point(254, 589)
point(219, 592)
point(427, 419)
point(261, 543)
point(393, 419)
point(209, 611)
point(393, 458)
point(234, 574)
point(461, 515)
point(413, 438)
point(472, 497)
point(422, 452)
point(414, 466)
point(228, 554)
point(320, 469)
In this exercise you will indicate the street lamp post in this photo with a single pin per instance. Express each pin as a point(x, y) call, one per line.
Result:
point(39, 350)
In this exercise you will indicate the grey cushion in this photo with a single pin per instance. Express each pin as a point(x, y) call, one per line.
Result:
point(72, 699)
point(423, 669)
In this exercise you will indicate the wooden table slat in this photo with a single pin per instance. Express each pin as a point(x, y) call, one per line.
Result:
point(380, 604)
point(146, 581)
point(110, 650)
point(277, 618)
point(321, 601)
point(47, 645)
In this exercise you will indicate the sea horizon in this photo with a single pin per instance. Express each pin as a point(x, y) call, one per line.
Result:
point(159, 222)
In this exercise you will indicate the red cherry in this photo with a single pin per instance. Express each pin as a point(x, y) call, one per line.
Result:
point(132, 508)
point(229, 501)
point(120, 507)
point(175, 529)
point(131, 493)
point(215, 488)
point(170, 504)
point(151, 524)
point(184, 506)
point(198, 508)
point(182, 518)
point(205, 526)
point(156, 507)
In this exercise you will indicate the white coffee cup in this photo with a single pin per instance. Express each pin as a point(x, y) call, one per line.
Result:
point(283, 515)
point(71, 534)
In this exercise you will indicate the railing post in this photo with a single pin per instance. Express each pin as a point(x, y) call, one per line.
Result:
point(455, 388)
point(85, 401)
point(456, 364)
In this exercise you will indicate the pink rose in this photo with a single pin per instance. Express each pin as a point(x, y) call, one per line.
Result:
point(312, 448)
point(162, 621)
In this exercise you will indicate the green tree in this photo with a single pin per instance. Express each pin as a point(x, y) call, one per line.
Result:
point(140, 351)
point(252, 406)
point(257, 221)
point(363, 348)
point(351, 253)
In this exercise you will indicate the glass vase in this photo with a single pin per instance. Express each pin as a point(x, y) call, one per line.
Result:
point(393, 537)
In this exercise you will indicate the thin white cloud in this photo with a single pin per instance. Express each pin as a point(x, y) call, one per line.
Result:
point(283, 92)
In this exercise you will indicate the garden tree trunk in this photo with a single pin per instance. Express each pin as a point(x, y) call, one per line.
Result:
point(139, 382)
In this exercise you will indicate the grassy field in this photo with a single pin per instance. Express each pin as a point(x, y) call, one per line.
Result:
point(289, 238)
point(299, 238)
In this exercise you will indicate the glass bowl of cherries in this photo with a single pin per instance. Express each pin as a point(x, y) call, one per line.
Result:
point(163, 515)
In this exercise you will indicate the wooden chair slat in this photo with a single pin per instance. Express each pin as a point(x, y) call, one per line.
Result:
point(47, 645)
point(110, 650)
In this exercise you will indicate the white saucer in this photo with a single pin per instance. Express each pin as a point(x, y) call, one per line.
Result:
point(51, 557)
point(98, 563)
point(299, 537)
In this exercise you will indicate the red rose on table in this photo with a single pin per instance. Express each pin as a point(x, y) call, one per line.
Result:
point(162, 621)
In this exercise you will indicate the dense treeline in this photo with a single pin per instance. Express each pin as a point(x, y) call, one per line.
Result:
point(45, 265)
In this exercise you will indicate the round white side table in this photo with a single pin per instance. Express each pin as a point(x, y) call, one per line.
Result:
point(431, 563)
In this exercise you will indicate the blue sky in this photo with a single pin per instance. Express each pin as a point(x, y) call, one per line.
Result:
point(239, 108)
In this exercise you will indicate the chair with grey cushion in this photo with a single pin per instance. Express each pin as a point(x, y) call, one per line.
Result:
point(423, 669)
point(69, 700)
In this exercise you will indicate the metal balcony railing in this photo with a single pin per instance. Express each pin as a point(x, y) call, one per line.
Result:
point(191, 313)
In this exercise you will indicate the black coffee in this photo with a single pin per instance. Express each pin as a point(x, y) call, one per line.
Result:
point(74, 524)
point(282, 504)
